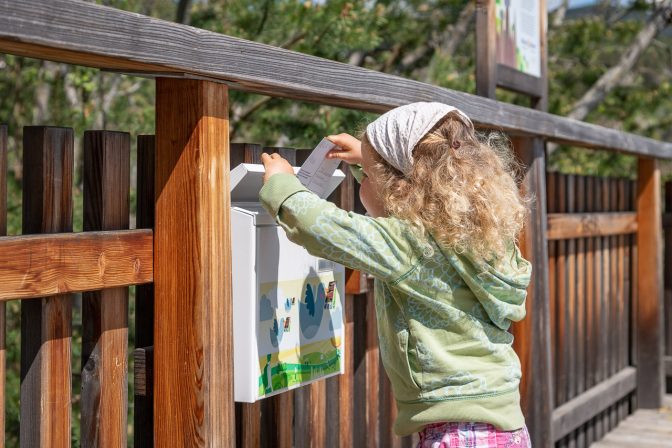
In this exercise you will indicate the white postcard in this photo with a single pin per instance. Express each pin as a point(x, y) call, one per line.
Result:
point(317, 171)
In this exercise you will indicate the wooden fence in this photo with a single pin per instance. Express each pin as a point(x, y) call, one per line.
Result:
point(596, 253)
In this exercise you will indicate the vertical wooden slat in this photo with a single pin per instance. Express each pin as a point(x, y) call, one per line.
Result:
point(622, 298)
point(562, 349)
point(551, 196)
point(46, 324)
point(580, 371)
point(486, 65)
point(614, 327)
point(193, 353)
point(3, 309)
point(372, 371)
point(143, 411)
point(650, 384)
point(571, 309)
point(667, 266)
point(532, 335)
point(346, 381)
point(591, 327)
point(107, 158)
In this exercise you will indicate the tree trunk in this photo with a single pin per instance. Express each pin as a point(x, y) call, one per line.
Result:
point(616, 74)
point(559, 14)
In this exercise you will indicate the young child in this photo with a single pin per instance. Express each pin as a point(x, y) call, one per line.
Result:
point(444, 212)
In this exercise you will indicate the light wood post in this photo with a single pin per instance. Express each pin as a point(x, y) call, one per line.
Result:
point(648, 325)
point(193, 357)
point(532, 336)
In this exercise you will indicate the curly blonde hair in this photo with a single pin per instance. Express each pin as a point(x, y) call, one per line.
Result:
point(463, 189)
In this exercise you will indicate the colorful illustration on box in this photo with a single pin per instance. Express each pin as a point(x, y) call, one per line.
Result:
point(299, 332)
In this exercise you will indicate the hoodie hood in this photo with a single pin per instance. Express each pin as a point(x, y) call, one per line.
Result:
point(500, 286)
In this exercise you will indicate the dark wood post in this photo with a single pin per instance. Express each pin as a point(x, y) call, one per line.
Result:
point(3, 308)
point(532, 336)
point(648, 325)
point(46, 388)
point(486, 65)
point(107, 157)
point(193, 353)
point(143, 415)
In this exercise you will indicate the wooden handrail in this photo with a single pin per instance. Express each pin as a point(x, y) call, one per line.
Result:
point(78, 32)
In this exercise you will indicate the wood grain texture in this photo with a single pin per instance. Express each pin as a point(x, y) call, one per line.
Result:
point(486, 45)
point(650, 384)
point(79, 33)
point(532, 335)
point(46, 323)
point(45, 265)
point(667, 275)
point(3, 308)
point(372, 371)
point(107, 159)
point(577, 411)
point(143, 406)
point(143, 373)
point(583, 225)
point(193, 353)
point(346, 381)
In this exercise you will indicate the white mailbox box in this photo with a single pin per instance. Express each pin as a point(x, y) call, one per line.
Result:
point(287, 304)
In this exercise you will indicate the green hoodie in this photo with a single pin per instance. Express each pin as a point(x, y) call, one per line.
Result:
point(442, 317)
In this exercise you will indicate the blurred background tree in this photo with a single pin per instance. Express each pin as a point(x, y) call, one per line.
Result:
point(428, 40)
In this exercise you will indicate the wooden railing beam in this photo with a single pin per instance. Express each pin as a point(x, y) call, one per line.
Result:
point(79, 33)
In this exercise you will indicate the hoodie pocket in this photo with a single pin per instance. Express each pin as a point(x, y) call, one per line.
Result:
point(407, 351)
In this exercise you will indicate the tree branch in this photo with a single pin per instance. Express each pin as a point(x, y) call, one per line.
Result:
point(616, 74)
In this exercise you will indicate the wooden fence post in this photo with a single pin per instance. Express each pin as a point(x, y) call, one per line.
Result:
point(107, 157)
point(46, 330)
point(650, 384)
point(3, 308)
point(193, 352)
point(143, 415)
point(532, 336)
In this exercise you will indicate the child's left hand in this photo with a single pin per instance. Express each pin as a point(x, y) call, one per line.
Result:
point(274, 164)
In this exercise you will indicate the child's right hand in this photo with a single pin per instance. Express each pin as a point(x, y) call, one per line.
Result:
point(349, 149)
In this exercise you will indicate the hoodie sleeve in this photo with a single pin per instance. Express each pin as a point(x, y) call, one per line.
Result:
point(373, 245)
point(502, 288)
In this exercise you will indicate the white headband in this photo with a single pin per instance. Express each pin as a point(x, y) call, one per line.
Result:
point(395, 133)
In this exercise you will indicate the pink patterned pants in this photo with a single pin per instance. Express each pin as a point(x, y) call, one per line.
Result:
point(472, 435)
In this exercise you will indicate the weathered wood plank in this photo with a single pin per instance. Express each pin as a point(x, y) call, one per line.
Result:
point(532, 335)
point(585, 406)
point(372, 371)
point(104, 404)
point(583, 225)
point(650, 383)
point(346, 381)
point(46, 324)
point(3, 308)
point(143, 406)
point(79, 33)
point(193, 404)
point(580, 353)
point(43, 265)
